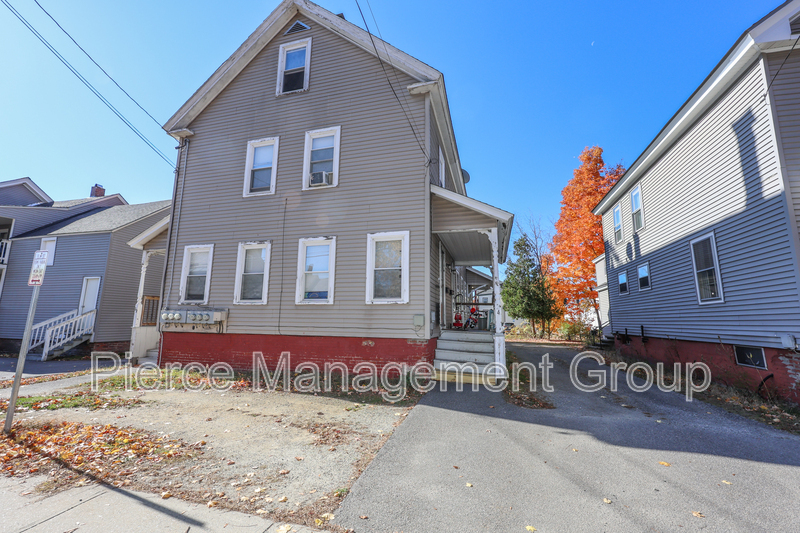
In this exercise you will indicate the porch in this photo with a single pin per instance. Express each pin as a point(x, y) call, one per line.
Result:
point(469, 234)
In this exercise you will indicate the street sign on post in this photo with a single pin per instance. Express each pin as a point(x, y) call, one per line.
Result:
point(35, 280)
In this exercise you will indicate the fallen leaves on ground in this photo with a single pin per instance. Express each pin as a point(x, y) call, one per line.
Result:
point(530, 528)
point(727, 482)
point(87, 399)
point(606, 500)
point(698, 514)
point(6, 383)
point(664, 463)
point(104, 452)
point(469, 484)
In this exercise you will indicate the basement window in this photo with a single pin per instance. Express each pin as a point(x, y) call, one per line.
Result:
point(293, 67)
point(751, 356)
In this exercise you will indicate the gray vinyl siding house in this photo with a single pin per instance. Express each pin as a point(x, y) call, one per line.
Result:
point(387, 180)
point(88, 250)
point(718, 235)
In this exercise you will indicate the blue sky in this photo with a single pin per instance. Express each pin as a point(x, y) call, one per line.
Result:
point(530, 83)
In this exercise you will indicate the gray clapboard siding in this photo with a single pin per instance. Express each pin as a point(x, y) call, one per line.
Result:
point(721, 176)
point(784, 91)
point(449, 216)
point(121, 282)
point(381, 188)
point(17, 195)
point(77, 256)
point(159, 242)
point(30, 218)
point(433, 169)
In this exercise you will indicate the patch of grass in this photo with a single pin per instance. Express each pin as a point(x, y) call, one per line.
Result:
point(85, 399)
point(43, 379)
point(523, 396)
point(331, 387)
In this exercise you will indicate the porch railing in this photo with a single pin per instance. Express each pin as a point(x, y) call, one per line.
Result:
point(5, 246)
point(150, 305)
point(68, 330)
point(39, 330)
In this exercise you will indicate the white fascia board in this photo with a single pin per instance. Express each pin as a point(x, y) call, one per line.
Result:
point(265, 32)
point(149, 234)
point(444, 126)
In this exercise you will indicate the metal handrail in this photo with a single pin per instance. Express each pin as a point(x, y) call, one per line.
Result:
point(62, 333)
point(39, 330)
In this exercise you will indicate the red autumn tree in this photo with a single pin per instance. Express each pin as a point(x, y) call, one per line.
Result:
point(579, 233)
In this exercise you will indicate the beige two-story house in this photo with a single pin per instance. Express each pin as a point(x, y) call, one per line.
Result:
point(320, 207)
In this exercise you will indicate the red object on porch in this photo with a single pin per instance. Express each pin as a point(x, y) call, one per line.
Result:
point(237, 349)
point(457, 321)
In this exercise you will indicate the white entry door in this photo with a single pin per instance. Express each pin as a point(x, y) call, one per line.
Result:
point(89, 293)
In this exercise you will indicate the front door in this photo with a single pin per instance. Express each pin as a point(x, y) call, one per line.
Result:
point(89, 293)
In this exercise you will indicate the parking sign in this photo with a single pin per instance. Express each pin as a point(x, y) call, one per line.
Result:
point(37, 270)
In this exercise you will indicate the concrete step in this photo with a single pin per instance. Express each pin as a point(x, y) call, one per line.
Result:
point(67, 347)
point(464, 378)
point(152, 353)
point(464, 357)
point(470, 336)
point(451, 366)
point(484, 346)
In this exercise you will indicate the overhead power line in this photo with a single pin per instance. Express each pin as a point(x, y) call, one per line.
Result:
point(97, 65)
point(87, 83)
point(386, 75)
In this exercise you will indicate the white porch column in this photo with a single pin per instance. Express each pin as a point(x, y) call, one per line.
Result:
point(137, 315)
point(499, 334)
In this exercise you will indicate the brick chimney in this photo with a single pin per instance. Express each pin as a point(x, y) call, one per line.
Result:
point(97, 191)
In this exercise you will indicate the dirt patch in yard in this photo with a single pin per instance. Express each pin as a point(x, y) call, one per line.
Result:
point(287, 456)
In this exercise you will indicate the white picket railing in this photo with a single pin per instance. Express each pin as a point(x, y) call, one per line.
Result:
point(5, 246)
point(39, 330)
point(62, 333)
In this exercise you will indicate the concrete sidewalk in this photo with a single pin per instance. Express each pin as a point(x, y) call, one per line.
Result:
point(102, 509)
point(591, 464)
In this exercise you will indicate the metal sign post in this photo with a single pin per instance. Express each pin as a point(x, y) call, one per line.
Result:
point(34, 280)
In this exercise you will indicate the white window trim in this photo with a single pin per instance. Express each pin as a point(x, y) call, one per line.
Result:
point(248, 167)
point(185, 271)
point(310, 136)
point(302, 43)
point(617, 207)
point(638, 278)
point(641, 208)
point(721, 299)
point(50, 257)
point(372, 238)
point(237, 289)
point(2, 277)
point(301, 260)
point(442, 171)
point(627, 282)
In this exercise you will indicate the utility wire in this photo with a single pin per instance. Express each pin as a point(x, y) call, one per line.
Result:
point(87, 83)
point(383, 67)
point(779, 68)
point(97, 65)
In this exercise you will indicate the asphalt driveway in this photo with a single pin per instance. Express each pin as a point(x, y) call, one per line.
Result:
point(591, 464)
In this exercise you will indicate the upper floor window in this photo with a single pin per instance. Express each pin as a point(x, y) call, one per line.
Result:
point(196, 273)
point(623, 282)
point(315, 270)
point(49, 244)
point(442, 171)
point(261, 167)
point(706, 268)
point(321, 159)
point(252, 273)
point(387, 267)
point(636, 209)
point(293, 66)
point(617, 224)
point(644, 276)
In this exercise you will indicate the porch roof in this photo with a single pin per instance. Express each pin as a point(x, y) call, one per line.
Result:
point(459, 222)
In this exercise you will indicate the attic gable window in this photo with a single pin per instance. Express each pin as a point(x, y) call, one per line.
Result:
point(296, 27)
point(293, 66)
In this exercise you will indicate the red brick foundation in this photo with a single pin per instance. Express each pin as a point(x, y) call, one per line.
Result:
point(237, 349)
point(782, 377)
point(116, 346)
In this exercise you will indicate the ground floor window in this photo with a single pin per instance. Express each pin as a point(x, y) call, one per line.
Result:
point(252, 273)
point(196, 273)
point(387, 267)
point(315, 270)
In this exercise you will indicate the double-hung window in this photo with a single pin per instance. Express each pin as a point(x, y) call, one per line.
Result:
point(387, 267)
point(315, 270)
point(442, 171)
point(617, 224)
point(252, 273)
point(636, 208)
point(644, 276)
point(623, 282)
point(261, 167)
point(321, 158)
point(49, 244)
point(293, 66)
point(196, 273)
point(706, 268)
